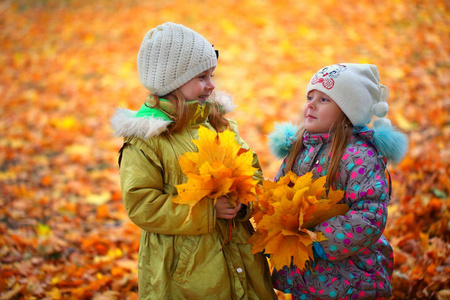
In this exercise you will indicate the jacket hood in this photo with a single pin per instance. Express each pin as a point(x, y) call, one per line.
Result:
point(149, 122)
point(391, 143)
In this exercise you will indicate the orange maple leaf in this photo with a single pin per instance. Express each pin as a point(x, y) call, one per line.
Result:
point(220, 167)
point(285, 213)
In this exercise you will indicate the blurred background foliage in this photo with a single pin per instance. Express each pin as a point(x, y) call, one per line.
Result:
point(66, 65)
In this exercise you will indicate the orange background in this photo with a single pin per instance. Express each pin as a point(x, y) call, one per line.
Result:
point(66, 65)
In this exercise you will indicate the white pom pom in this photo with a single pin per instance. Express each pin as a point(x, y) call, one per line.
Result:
point(381, 122)
point(380, 109)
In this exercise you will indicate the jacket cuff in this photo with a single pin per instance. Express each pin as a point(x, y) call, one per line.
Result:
point(245, 213)
point(318, 251)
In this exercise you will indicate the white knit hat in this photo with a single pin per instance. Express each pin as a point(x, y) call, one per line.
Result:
point(356, 89)
point(171, 55)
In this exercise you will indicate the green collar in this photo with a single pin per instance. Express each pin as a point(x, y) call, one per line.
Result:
point(147, 112)
point(197, 112)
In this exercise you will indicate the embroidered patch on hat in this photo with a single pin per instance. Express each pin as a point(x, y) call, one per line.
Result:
point(326, 75)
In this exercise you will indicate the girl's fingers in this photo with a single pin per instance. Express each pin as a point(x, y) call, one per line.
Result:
point(228, 213)
point(225, 210)
point(228, 217)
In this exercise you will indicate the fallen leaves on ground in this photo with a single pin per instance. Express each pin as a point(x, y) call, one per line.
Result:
point(66, 66)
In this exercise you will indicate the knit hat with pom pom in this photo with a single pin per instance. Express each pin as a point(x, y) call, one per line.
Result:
point(356, 89)
point(171, 55)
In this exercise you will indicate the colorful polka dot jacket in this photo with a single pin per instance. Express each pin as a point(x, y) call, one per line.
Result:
point(356, 260)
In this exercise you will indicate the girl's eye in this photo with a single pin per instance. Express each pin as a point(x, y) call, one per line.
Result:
point(325, 100)
point(309, 98)
point(204, 76)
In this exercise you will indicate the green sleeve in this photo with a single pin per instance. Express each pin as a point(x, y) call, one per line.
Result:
point(258, 175)
point(146, 203)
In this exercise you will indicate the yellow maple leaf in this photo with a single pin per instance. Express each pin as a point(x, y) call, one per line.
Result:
point(220, 167)
point(43, 230)
point(286, 211)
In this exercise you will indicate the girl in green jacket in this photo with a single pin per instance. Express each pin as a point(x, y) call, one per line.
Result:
point(176, 260)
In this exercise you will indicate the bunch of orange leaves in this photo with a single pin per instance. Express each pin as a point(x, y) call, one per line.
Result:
point(220, 167)
point(285, 214)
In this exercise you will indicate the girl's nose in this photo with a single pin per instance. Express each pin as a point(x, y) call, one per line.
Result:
point(311, 104)
point(211, 85)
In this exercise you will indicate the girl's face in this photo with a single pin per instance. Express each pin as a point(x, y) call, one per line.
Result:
point(199, 88)
point(321, 113)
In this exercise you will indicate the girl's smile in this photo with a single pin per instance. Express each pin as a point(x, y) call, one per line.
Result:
point(204, 97)
point(200, 87)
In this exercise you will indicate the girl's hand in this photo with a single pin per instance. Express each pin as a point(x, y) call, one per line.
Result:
point(224, 210)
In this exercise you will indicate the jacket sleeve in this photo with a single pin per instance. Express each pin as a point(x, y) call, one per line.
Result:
point(282, 170)
point(141, 178)
point(366, 193)
point(258, 175)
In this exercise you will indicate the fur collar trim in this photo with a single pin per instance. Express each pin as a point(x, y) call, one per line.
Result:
point(391, 143)
point(125, 123)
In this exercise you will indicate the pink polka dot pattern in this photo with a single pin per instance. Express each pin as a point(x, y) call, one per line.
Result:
point(355, 247)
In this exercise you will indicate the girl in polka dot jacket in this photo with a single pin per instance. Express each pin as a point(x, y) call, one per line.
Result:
point(356, 260)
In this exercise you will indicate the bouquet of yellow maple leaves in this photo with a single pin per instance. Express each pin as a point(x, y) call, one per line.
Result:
point(285, 212)
point(220, 167)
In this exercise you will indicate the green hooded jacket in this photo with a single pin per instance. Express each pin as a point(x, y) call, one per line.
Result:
point(176, 260)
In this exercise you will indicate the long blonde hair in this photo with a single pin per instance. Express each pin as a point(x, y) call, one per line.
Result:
point(341, 137)
point(181, 117)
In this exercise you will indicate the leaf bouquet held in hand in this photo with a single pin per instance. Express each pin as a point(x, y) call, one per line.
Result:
point(285, 214)
point(220, 167)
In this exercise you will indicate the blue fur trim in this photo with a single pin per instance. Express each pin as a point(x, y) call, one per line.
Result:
point(280, 140)
point(391, 143)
